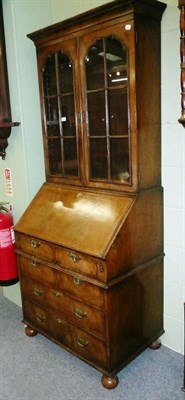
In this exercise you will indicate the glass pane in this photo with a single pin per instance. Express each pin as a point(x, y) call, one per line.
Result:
point(118, 112)
point(49, 76)
point(54, 155)
point(61, 130)
point(53, 130)
point(96, 112)
point(95, 66)
point(68, 116)
point(98, 158)
point(116, 57)
point(119, 149)
point(65, 73)
point(108, 110)
point(70, 157)
point(51, 109)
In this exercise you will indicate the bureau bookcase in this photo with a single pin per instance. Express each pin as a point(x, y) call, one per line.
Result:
point(90, 243)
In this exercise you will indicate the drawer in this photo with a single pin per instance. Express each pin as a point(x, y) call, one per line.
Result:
point(77, 312)
point(83, 344)
point(77, 262)
point(37, 248)
point(77, 287)
point(36, 270)
point(88, 347)
point(37, 317)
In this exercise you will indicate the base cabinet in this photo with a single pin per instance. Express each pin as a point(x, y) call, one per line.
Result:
point(99, 307)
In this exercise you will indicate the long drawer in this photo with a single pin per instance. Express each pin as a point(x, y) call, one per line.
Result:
point(86, 317)
point(54, 325)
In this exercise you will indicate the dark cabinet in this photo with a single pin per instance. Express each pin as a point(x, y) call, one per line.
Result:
point(90, 244)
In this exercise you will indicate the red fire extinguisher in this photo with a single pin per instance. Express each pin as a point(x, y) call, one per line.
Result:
point(8, 264)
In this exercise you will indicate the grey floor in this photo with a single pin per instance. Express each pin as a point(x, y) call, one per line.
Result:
point(37, 369)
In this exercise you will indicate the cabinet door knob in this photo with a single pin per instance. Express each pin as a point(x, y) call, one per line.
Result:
point(81, 342)
point(38, 292)
point(34, 243)
point(79, 313)
point(73, 257)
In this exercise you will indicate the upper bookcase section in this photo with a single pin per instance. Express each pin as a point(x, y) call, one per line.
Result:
point(99, 82)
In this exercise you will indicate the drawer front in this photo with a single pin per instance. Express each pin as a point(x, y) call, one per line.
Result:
point(77, 287)
point(82, 343)
point(76, 262)
point(79, 313)
point(40, 318)
point(36, 270)
point(35, 247)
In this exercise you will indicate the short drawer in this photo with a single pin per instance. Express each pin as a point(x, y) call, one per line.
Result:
point(78, 262)
point(86, 317)
point(37, 317)
point(81, 289)
point(36, 270)
point(34, 247)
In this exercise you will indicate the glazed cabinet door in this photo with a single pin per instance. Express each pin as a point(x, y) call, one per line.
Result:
point(109, 104)
point(59, 87)
point(88, 103)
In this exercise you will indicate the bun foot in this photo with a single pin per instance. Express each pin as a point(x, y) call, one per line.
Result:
point(30, 331)
point(109, 382)
point(155, 345)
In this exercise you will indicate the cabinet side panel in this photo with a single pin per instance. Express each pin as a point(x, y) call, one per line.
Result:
point(148, 91)
point(141, 236)
point(135, 314)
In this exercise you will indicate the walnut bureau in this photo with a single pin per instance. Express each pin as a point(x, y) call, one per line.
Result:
point(90, 243)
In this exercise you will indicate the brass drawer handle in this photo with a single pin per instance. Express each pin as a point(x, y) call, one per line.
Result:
point(73, 257)
point(79, 313)
point(78, 281)
point(81, 342)
point(38, 292)
point(34, 243)
point(34, 263)
point(40, 318)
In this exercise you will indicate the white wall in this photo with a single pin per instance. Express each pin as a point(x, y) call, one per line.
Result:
point(173, 178)
point(25, 152)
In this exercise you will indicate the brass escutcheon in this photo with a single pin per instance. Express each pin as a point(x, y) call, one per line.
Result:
point(60, 321)
point(57, 294)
